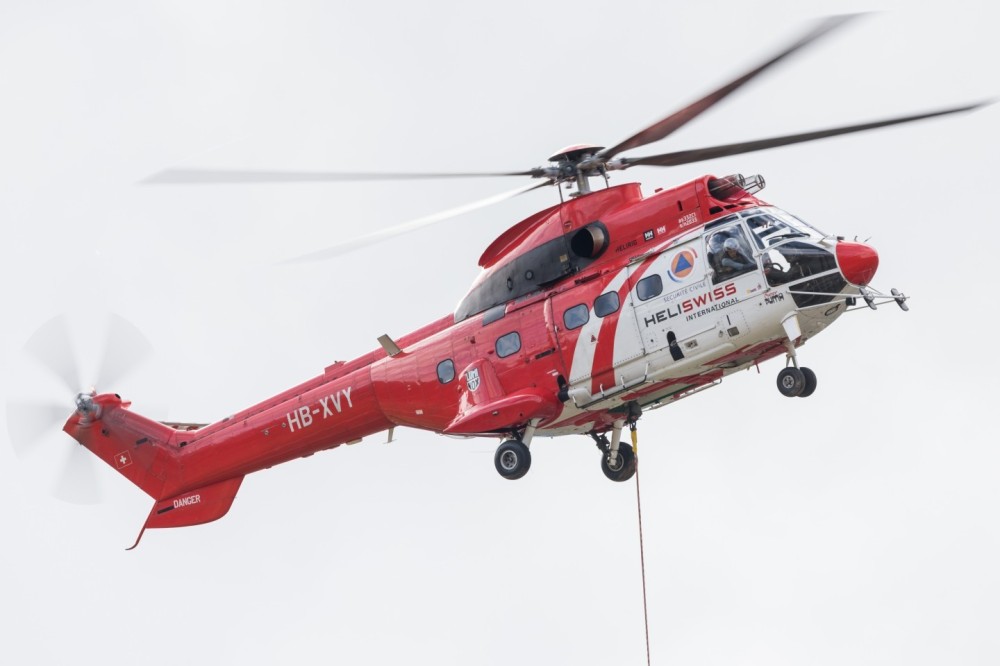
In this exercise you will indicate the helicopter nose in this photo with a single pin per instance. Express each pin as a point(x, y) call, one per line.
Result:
point(858, 262)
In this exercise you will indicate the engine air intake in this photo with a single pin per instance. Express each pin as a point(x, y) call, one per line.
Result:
point(735, 186)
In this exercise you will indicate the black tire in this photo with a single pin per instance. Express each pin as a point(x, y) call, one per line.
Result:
point(810, 383)
point(512, 459)
point(624, 464)
point(791, 382)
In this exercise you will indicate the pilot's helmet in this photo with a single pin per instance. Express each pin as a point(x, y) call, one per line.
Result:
point(731, 244)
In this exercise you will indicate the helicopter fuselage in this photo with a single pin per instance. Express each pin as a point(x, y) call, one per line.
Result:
point(585, 315)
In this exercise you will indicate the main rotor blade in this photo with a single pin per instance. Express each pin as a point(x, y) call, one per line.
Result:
point(126, 347)
point(702, 154)
point(50, 345)
point(673, 122)
point(413, 225)
point(233, 176)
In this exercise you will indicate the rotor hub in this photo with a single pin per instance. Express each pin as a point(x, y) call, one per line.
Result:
point(578, 163)
point(575, 153)
point(86, 407)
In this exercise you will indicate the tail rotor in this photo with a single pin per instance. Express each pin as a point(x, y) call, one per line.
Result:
point(35, 426)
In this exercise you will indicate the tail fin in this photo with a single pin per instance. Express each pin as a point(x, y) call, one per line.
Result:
point(139, 448)
point(147, 453)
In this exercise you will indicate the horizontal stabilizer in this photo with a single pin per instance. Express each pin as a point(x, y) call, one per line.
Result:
point(194, 507)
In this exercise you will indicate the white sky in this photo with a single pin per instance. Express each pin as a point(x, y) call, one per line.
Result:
point(858, 526)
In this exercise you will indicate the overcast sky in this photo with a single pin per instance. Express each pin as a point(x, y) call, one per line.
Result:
point(857, 526)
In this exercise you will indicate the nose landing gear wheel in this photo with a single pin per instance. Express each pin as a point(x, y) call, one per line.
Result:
point(810, 382)
point(624, 467)
point(792, 382)
point(512, 459)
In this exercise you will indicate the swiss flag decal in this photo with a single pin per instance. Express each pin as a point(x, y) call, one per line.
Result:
point(123, 459)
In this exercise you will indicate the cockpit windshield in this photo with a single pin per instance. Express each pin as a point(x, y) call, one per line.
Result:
point(770, 226)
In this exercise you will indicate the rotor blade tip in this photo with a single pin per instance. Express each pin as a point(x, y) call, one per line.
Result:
point(166, 177)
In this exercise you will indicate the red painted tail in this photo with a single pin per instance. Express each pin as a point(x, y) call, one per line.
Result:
point(147, 453)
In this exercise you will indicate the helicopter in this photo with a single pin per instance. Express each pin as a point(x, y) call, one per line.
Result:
point(587, 315)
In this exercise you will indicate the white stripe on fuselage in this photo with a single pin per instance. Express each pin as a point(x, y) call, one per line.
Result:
point(626, 347)
point(586, 344)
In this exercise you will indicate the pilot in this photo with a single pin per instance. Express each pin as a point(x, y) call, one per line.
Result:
point(774, 273)
point(733, 259)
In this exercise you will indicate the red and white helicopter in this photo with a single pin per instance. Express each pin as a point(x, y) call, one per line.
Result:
point(586, 315)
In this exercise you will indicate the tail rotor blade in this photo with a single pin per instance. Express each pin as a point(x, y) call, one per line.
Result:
point(50, 346)
point(29, 422)
point(77, 482)
point(125, 349)
point(35, 426)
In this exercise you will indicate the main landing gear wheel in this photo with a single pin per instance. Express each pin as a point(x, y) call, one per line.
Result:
point(792, 382)
point(512, 459)
point(624, 467)
point(810, 386)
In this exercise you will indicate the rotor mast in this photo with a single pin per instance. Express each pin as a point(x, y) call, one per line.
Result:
point(578, 163)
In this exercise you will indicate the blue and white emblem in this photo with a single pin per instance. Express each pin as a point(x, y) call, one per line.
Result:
point(472, 379)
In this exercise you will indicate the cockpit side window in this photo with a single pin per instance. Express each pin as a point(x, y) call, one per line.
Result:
point(729, 254)
point(768, 230)
point(797, 260)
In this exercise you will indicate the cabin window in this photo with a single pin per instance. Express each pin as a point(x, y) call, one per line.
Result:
point(649, 287)
point(508, 344)
point(606, 304)
point(446, 371)
point(576, 316)
point(729, 254)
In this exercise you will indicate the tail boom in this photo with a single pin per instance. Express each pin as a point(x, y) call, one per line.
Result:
point(194, 475)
